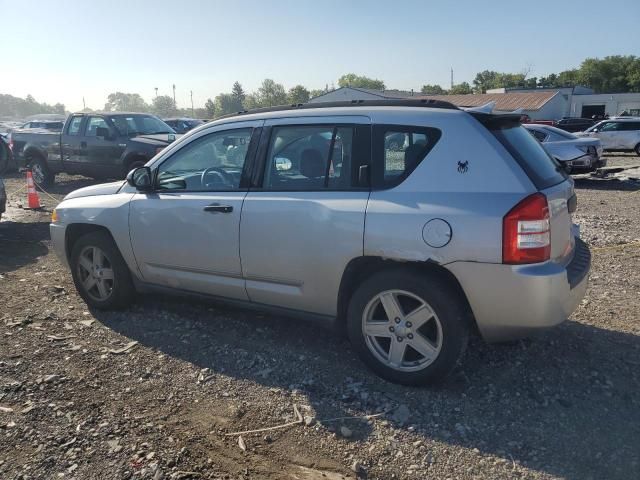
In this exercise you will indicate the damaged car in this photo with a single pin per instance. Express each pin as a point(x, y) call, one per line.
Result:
point(579, 155)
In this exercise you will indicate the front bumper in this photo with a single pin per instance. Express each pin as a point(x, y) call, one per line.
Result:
point(514, 301)
point(58, 234)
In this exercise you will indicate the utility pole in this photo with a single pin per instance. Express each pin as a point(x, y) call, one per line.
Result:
point(156, 89)
point(174, 94)
point(451, 77)
point(192, 112)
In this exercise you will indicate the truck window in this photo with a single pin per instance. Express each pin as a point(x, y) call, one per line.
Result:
point(74, 126)
point(93, 124)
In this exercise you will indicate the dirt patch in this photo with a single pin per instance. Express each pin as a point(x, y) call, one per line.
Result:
point(564, 405)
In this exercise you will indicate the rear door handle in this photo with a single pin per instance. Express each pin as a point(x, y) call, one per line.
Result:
point(217, 208)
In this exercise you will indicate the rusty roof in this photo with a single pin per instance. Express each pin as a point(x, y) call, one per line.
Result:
point(504, 101)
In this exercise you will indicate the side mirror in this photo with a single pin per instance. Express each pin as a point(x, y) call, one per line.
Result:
point(103, 132)
point(140, 178)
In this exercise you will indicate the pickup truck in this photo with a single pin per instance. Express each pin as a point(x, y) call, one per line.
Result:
point(98, 145)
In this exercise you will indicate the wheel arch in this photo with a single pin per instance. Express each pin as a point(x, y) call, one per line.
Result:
point(133, 156)
point(76, 230)
point(361, 268)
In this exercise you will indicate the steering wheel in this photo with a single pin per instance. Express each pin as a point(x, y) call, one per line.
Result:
point(219, 174)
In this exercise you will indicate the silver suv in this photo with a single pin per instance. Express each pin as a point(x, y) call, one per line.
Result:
point(461, 224)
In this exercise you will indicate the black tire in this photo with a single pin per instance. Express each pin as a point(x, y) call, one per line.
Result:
point(40, 171)
point(443, 301)
point(122, 291)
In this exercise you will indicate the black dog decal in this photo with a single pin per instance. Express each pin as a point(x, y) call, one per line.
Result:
point(463, 167)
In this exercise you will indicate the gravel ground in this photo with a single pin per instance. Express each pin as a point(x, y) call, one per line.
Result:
point(152, 392)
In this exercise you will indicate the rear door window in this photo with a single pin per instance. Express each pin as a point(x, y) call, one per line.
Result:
point(543, 170)
point(310, 157)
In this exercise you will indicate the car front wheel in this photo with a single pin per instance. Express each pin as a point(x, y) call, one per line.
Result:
point(407, 327)
point(99, 272)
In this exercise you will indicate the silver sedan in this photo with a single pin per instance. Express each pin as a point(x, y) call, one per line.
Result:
point(580, 154)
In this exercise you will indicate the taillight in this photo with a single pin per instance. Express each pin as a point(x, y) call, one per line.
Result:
point(526, 235)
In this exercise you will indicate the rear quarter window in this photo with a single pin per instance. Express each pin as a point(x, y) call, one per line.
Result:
point(543, 170)
point(398, 150)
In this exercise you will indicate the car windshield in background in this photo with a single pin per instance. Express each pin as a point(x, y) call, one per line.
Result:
point(543, 170)
point(561, 133)
point(140, 125)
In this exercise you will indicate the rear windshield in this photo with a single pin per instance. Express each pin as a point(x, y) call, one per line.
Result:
point(543, 170)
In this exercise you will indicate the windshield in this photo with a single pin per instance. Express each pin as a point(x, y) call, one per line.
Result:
point(562, 133)
point(140, 125)
point(596, 126)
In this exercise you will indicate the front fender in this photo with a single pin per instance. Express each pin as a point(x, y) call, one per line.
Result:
point(108, 211)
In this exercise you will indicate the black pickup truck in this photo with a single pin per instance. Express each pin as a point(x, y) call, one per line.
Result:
point(98, 145)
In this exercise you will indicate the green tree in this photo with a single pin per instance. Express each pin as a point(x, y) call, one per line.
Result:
point(298, 94)
point(357, 81)
point(227, 103)
point(316, 92)
point(271, 94)
point(125, 102)
point(461, 89)
point(238, 92)
point(210, 107)
point(164, 106)
point(433, 90)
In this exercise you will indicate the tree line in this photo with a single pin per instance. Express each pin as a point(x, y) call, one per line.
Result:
point(612, 74)
point(15, 107)
point(617, 73)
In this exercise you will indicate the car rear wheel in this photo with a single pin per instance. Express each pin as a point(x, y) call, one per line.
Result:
point(99, 272)
point(409, 328)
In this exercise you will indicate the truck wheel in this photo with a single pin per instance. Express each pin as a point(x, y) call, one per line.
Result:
point(40, 171)
point(99, 272)
point(408, 328)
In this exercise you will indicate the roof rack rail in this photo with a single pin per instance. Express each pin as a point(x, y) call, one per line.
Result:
point(401, 102)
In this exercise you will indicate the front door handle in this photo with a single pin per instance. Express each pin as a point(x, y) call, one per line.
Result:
point(217, 208)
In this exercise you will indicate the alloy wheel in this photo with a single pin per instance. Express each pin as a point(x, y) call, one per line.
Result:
point(95, 272)
point(402, 330)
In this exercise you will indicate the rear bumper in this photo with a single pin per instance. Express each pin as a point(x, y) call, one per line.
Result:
point(515, 301)
point(58, 233)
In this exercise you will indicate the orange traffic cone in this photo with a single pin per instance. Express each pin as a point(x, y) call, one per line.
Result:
point(32, 195)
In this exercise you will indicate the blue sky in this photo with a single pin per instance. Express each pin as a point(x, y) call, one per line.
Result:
point(60, 51)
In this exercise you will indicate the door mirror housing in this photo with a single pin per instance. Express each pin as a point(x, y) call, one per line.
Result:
point(103, 132)
point(140, 178)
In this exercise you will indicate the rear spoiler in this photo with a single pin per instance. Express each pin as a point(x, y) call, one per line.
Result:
point(486, 116)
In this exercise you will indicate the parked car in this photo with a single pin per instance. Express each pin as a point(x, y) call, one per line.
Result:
point(183, 125)
point(3, 198)
point(617, 135)
point(99, 145)
point(578, 154)
point(467, 227)
point(574, 124)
